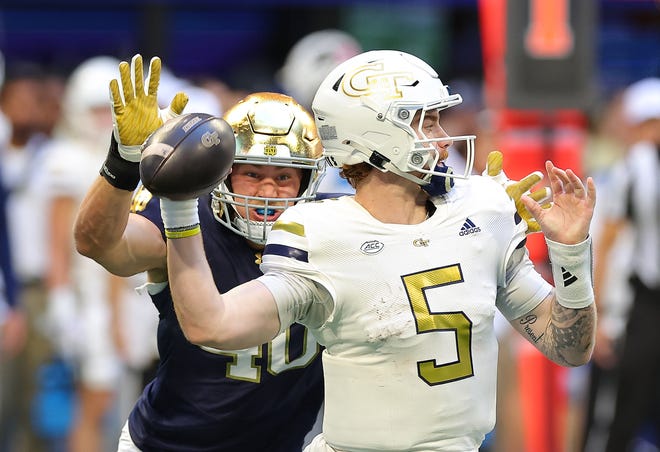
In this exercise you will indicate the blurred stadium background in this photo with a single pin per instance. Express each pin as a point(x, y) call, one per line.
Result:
point(244, 42)
point(543, 104)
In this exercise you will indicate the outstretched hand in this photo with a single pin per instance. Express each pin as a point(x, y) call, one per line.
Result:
point(568, 219)
point(137, 114)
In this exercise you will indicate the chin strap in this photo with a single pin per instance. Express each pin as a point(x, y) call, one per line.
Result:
point(439, 185)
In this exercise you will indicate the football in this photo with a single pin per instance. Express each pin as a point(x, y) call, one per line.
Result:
point(188, 156)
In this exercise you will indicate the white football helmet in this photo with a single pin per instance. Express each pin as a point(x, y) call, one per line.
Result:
point(364, 109)
point(270, 129)
point(87, 89)
point(311, 59)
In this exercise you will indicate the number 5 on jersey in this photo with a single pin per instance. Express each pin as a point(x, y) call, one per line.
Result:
point(416, 285)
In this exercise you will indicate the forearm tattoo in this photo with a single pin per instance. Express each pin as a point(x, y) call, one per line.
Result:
point(568, 338)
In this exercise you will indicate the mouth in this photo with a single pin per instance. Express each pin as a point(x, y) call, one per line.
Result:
point(262, 214)
point(262, 211)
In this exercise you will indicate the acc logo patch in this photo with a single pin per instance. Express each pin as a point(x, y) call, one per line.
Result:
point(372, 247)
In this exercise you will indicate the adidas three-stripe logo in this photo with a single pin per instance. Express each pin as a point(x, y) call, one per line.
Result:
point(568, 277)
point(469, 228)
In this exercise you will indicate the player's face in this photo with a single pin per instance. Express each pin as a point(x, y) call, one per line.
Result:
point(264, 182)
point(430, 128)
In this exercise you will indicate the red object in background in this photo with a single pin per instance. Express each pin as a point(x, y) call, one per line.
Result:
point(549, 33)
point(527, 138)
point(543, 399)
point(492, 22)
point(526, 149)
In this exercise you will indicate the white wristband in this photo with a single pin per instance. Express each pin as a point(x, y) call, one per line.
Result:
point(130, 153)
point(571, 270)
point(180, 218)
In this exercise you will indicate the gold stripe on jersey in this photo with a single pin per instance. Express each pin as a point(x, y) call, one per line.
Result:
point(290, 227)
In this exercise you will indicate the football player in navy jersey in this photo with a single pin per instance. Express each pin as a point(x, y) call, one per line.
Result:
point(401, 281)
point(264, 397)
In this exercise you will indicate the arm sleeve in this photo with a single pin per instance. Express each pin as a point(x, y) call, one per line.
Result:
point(525, 288)
point(298, 299)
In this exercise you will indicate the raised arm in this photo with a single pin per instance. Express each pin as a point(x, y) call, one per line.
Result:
point(563, 326)
point(105, 230)
point(243, 317)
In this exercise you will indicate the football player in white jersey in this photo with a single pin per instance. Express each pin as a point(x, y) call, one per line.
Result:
point(401, 281)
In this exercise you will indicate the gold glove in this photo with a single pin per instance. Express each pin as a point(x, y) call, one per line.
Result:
point(137, 114)
point(515, 189)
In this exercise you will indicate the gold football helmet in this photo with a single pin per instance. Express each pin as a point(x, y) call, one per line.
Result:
point(270, 129)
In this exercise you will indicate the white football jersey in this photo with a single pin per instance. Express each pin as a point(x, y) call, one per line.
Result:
point(411, 354)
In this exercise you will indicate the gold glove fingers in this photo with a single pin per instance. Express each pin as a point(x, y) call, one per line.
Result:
point(175, 108)
point(516, 189)
point(494, 163)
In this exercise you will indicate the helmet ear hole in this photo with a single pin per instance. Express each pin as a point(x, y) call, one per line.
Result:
point(378, 160)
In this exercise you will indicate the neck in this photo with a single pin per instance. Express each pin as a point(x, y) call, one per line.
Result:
point(392, 199)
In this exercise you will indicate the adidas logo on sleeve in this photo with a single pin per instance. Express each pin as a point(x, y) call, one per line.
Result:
point(469, 228)
point(568, 277)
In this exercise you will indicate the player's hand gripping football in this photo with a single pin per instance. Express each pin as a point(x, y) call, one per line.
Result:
point(137, 114)
point(515, 189)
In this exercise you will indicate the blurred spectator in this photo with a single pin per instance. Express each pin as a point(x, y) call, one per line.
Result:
point(12, 324)
point(607, 138)
point(10, 313)
point(52, 98)
point(595, 389)
point(12, 319)
point(82, 295)
point(633, 202)
point(22, 162)
point(306, 65)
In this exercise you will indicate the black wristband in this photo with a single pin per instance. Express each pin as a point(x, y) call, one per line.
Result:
point(119, 172)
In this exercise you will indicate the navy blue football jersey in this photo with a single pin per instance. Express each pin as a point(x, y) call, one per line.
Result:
point(258, 399)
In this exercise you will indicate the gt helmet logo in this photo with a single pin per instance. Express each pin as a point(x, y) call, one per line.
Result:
point(371, 80)
point(210, 139)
